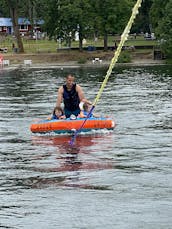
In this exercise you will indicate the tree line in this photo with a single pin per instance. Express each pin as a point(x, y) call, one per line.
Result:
point(92, 18)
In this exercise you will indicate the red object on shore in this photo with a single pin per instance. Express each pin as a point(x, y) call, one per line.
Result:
point(1, 59)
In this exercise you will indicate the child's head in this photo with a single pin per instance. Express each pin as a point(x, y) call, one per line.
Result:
point(58, 111)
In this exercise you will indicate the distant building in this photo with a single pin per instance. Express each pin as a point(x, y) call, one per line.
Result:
point(6, 26)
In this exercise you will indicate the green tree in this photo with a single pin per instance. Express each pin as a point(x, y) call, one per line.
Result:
point(161, 19)
point(143, 22)
point(111, 17)
point(84, 19)
point(31, 9)
point(64, 18)
point(157, 12)
point(4, 11)
point(13, 8)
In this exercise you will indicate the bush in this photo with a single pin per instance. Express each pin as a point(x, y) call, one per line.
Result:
point(82, 60)
point(125, 57)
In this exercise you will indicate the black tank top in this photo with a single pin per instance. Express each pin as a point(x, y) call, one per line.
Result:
point(71, 98)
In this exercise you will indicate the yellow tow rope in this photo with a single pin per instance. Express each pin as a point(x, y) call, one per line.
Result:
point(124, 37)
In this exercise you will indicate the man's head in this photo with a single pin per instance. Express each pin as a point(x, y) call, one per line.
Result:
point(70, 79)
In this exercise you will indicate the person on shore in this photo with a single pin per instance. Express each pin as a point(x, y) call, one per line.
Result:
point(13, 47)
point(57, 114)
point(71, 94)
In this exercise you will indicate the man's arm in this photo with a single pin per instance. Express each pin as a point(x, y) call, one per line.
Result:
point(80, 92)
point(59, 97)
point(81, 95)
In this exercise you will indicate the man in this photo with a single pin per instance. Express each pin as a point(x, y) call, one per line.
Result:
point(71, 94)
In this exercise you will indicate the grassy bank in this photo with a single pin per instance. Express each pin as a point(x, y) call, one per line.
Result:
point(51, 46)
point(77, 56)
point(50, 51)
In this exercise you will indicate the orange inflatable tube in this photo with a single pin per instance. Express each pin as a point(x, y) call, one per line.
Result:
point(67, 125)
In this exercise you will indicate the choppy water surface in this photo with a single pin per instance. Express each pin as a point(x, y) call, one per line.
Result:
point(118, 179)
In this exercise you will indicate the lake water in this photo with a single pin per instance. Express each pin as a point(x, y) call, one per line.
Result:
point(110, 179)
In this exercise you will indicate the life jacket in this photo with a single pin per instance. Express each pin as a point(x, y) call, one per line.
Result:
point(84, 114)
point(55, 117)
point(71, 98)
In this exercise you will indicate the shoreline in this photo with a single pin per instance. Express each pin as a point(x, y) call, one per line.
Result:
point(74, 64)
point(72, 59)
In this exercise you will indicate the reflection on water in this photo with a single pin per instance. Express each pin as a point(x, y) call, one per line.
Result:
point(114, 179)
point(70, 159)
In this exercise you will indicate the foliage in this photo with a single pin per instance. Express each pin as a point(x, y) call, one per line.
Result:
point(82, 60)
point(111, 17)
point(67, 18)
point(125, 57)
point(4, 11)
point(157, 13)
point(94, 18)
point(163, 27)
point(13, 8)
point(142, 22)
point(17, 8)
point(87, 17)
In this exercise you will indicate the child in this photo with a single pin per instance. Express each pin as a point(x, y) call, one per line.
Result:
point(84, 107)
point(58, 113)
